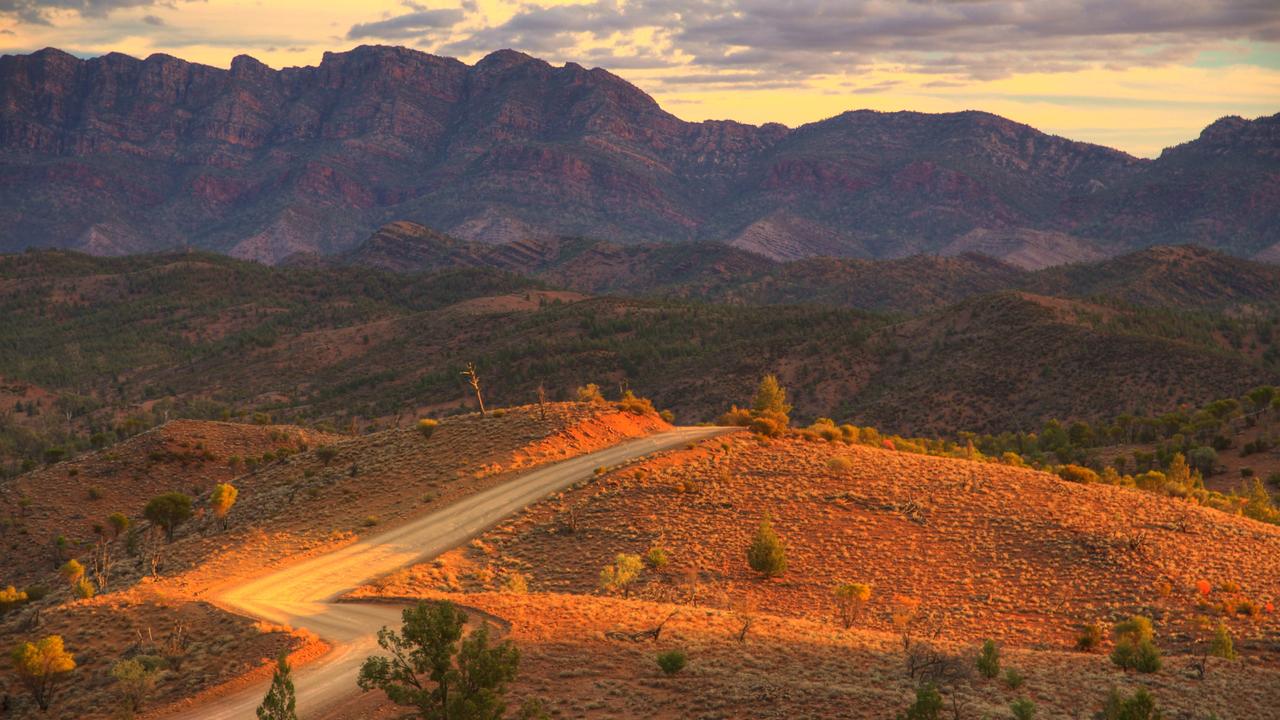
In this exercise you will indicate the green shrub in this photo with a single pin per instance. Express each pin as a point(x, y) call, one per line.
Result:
point(928, 704)
point(1090, 637)
point(1222, 646)
point(1078, 474)
point(1013, 679)
point(767, 555)
point(589, 393)
point(656, 558)
point(1023, 709)
point(989, 659)
point(672, 661)
point(1139, 706)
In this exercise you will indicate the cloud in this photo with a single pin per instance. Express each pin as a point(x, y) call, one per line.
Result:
point(410, 25)
point(153, 20)
point(981, 39)
point(39, 12)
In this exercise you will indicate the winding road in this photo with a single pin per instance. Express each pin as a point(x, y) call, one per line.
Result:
point(304, 595)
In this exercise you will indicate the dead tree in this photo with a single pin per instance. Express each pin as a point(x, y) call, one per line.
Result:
point(101, 563)
point(542, 402)
point(473, 379)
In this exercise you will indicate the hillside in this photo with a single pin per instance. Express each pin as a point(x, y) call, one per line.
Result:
point(289, 506)
point(97, 349)
point(986, 550)
point(116, 155)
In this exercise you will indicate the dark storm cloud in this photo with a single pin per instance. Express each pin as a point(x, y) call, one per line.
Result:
point(410, 25)
point(978, 38)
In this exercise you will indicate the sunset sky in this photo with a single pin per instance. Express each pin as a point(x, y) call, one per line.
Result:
point(1138, 75)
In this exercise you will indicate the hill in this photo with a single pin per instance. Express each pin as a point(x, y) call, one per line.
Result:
point(97, 349)
point(117, 155)
point(971, 550)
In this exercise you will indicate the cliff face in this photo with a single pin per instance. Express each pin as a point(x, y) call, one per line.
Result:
point(116, 155)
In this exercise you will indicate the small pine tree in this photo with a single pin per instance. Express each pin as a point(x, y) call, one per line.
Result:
point(989, 659)
point(767, 555)
point(279, 701)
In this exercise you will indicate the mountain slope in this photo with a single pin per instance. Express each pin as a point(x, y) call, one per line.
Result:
point(116, 155)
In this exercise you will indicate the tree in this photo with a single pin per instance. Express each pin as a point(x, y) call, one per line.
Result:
point(40, 666)
point(473, 379)
point(72, 571)
point(767, 555)
point(770, 397)
point(850, 599)
point(135, 683)
point(10, 598)
point(168, 511)
point(279, 702)
point(618, 575)
point(465, 683)
point(221, 500)
point(989, 659)
point(119, 522)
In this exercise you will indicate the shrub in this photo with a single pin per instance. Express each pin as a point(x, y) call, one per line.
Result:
point(135, 683)
point(327, 453)
point(928, 704)
point(618, 576)
point(516, 583)
point(1023, 709)
point(1222, 645)
point(1013, 679)
point(656, 558)
point(280, 700)
point(1139, 706)
point(672, 661)
point(1077, 473)
point(1090, 637)
point(72, 571)
point(426, 426)
point(771, 399)
point(850, 599)
point(635, 405)
point(11, 598)
point(119, 523)
point(989, 659)
point(83, 588)
point(590, 393)
point(668, 417)
point(94, 493)
point(766, 426)
point(840, 464)
point(767, 555)
point(1142, 656)
point(737, 417)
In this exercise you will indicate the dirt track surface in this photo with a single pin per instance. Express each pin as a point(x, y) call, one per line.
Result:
point(305, 595)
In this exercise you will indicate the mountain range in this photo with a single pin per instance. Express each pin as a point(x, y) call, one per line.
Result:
point(115, 155)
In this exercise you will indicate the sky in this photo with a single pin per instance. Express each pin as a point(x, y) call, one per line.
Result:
point(1138, 75)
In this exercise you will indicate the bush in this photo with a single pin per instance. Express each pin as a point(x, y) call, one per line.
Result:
point(516, 583)
point(1013, 679)
point(736, 417)
point(11, 598)
point(1139, 706)
point(590, 393)
point(767, 555)
point(635, 405)
point(766, 426)
point(928, 704)
point(1090, 637)
point(83, 588)
point(656, 558)
point(1077, 473)
point(989, 659)
point(672, 661)
point(850, 599)
point(840, 464)
point(426, 426)
point(1142, 656)
point(618, 576)
point(1023, 709)
point(1222, 646)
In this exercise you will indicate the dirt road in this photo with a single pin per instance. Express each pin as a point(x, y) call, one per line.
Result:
point(303, 595)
